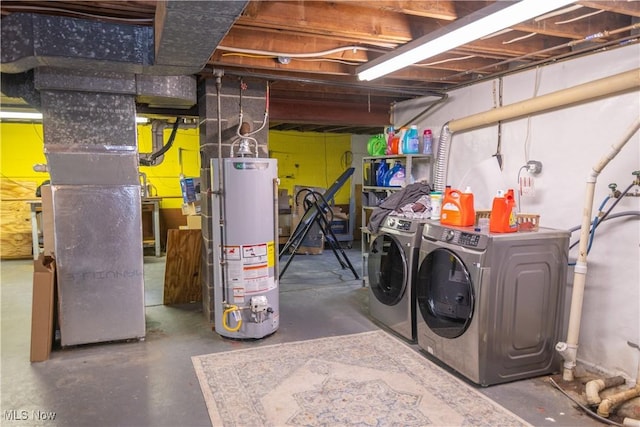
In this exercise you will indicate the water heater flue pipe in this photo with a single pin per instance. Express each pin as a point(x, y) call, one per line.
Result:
point(569, 348)
point(607, 86)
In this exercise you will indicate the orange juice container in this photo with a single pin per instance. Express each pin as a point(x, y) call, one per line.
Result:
point(503, 213)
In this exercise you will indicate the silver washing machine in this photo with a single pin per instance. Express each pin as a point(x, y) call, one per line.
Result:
point(490, 305)
point(392, 264)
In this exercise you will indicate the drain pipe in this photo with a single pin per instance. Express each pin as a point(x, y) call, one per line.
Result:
point(569, 348)
point(611, 401)
point(594, 387)
point(159, 148)
point(584, 92)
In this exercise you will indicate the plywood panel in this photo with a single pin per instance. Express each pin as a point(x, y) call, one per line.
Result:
point(182, 269)
point(15, 218)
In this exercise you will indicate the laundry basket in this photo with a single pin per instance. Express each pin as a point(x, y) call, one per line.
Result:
point(526, 221)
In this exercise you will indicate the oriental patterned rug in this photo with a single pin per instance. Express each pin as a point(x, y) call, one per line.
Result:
point(366, 379)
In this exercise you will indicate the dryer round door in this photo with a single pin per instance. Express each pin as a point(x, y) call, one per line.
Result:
point(445, 293)
point(388, 269)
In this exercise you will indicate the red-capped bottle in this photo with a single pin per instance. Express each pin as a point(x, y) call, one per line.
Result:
point(427, 142)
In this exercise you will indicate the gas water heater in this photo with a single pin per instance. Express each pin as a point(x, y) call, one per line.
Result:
point(244, 227)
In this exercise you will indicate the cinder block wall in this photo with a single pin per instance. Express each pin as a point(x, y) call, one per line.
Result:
point(253, 98)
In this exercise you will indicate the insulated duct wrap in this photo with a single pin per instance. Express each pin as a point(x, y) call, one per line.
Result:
point(92, 165)
point(99, 262)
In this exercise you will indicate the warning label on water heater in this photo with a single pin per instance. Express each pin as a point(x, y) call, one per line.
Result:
point(250, 269)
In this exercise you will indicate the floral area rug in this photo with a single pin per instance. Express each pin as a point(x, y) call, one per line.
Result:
point(366, 379)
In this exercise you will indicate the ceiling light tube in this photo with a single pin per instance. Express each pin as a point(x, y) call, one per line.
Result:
point(491, 19)
point(20, 115)
point(27, 115)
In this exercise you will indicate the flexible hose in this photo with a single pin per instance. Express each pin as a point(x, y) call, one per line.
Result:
point(442, 159)
point(610, 217)
point(225, 315)
point(152, 159)
point(598, 220)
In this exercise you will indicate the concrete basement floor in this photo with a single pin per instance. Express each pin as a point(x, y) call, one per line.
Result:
point(153, 383)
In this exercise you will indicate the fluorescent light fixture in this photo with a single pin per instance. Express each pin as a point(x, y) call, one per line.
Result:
point(25, 115)
point(493, 18)
point(20, 115)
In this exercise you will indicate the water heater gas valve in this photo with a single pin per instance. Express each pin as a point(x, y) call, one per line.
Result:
point(259, 304)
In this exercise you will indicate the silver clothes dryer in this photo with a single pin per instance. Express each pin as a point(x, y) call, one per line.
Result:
point(392, 264)
point(490, 306)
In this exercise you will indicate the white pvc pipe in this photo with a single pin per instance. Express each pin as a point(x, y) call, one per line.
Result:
point(631, 422)
point(569, 348)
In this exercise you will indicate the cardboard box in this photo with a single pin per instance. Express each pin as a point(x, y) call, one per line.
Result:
point(43, 308)
point(47, 220)
point(340, 226)
point(284, 225)
point(194, 222)
point(300, 193)
point(191, 208)
point(313, 243)
point(284, 204)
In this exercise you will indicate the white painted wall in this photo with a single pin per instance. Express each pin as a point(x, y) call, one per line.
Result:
point(359, 150)
point(568, 142)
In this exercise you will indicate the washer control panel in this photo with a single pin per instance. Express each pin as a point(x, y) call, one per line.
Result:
point(399, 224)
point(469, 239)
point(456, 236)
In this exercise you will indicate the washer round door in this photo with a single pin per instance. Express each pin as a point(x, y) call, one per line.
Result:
point(444, 293)
point(388, 269)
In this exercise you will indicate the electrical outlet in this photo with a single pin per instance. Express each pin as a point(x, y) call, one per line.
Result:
point(534, 167)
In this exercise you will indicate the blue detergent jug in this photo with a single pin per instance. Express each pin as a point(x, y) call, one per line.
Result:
point(395, 175)
point(381, 174)
point(412, 141)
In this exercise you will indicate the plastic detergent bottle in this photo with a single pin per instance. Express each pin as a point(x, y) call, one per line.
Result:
point(457, 208)
point(468, 211)
point(503, 213)
point(390, 134)
point(427, 142)
point(380, 173)
point(395, 175)
point(436, 204)
point(402, 140)
point(412, 141)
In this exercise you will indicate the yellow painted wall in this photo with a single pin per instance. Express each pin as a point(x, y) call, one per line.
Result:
point(22, 146)
point(306, 159)
point(311, 159)
point(183, 157)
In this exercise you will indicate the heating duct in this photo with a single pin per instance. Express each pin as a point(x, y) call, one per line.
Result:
point(584, 92)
